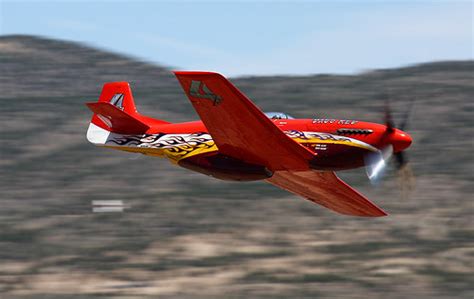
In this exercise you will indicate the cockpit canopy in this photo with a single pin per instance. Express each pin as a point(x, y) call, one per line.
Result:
point(278, 115)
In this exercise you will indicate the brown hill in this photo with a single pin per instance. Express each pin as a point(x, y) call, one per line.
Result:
point(187, 235)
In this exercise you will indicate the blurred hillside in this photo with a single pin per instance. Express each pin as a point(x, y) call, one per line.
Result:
point(186, 235)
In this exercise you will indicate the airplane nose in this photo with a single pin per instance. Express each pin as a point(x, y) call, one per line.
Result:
point(400, 140)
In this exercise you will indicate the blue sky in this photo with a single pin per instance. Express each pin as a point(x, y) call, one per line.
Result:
point(257, 37)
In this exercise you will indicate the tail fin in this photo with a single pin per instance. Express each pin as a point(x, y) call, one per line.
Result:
point(118, 94)
point(116, 112)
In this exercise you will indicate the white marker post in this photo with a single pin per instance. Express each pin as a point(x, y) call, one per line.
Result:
point(107, 206)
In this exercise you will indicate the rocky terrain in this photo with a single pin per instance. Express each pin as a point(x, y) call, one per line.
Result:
point(184, 235)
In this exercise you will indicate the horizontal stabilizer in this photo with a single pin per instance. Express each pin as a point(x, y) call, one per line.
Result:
point(116, 120)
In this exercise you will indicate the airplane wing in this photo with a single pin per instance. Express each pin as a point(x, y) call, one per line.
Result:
point(242, 131)
point(239, 128)
point(326, 189)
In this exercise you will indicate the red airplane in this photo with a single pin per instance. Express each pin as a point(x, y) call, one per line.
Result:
point(236, 141)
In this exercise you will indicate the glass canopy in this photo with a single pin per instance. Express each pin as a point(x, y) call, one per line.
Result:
point(278, 115)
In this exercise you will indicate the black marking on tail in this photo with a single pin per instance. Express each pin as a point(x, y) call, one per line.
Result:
point(117, 100)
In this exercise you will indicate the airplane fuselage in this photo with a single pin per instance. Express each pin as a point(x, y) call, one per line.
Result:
point(337, 144)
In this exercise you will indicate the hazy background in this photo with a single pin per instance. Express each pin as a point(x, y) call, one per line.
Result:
point(185, 235)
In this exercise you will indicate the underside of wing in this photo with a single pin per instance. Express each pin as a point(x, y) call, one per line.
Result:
point(239, 128)
point(326, 189)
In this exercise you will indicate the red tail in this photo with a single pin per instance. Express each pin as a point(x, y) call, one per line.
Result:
point(116, 112)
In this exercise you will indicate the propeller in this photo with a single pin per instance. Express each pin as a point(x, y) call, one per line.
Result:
point(401, 160)
point(376, 163)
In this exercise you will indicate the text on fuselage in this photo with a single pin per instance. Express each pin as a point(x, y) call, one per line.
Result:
point(334, 121)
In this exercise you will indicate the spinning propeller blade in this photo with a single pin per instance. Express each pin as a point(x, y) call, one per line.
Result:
point(388, 117)
point(376, 163)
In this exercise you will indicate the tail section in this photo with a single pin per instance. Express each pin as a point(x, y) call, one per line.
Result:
point(116, 111)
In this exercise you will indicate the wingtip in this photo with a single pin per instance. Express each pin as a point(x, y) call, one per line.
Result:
point(375, 212)
point(381, 213)
point(195, 73)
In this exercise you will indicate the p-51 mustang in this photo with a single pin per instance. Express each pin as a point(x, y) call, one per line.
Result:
point(236, 141)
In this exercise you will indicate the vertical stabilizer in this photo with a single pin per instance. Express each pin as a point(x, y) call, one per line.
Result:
point(116, 111)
